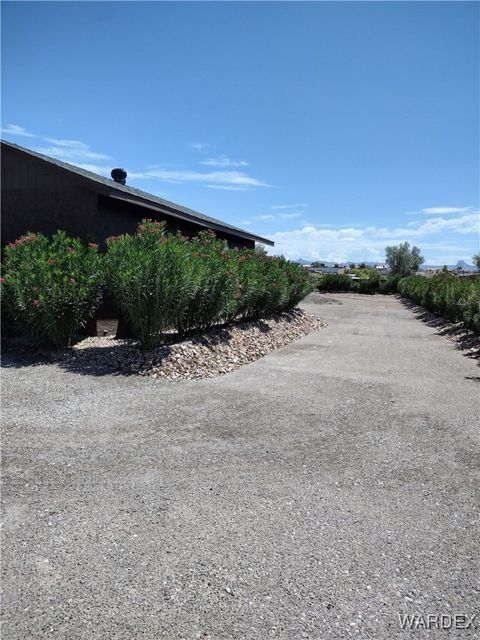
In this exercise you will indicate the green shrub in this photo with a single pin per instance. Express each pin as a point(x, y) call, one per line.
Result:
point(300, 283)
point(368, 285)
point(163, 282)
point(50, 287)
point(457, 299)
point(267, 284)
point(152, 277)
point(344, 283)
point(335, 282)
point(389, 284)
point(471, 307)
point(213, 278)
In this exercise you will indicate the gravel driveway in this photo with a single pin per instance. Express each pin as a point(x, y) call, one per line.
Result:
point(313, 494)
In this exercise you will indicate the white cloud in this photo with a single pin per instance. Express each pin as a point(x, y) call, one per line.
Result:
point(288, 206)
point(227, 187)
point(72, 151)
point(439, 211)
point(16, 130)
point(80, 154)
point(269, 217)
point(313, 242)
point(94, 168)
point(215, 179)
point(291, 216)
point(443, 210)
point(223, 161)
point(200, 146)
point(63, 143)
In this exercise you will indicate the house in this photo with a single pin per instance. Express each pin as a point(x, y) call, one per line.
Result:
point(339, 269)
point(41, 194)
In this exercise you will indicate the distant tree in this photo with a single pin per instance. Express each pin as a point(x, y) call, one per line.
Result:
point(403, 260)
point(318, 264)
point(351, 265)
point(336, 265)
point(476, 260)
point(362, 265)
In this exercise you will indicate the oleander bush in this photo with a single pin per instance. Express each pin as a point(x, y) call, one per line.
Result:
point(152, 278)
point(211, 298)
point(267, 284)
point(164, 282)
point(50, 287)
point(369, 283)
point(335, 282)
point(161, 282)
point(389, 284)
point(457, 299)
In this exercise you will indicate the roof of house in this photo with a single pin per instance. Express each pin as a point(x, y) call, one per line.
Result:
point(142, 198)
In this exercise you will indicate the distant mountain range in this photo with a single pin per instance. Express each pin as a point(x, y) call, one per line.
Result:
point(461, 264)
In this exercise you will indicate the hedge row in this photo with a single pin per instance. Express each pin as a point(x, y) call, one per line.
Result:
point(160, 281)
point(372, 284)
point(457, 299)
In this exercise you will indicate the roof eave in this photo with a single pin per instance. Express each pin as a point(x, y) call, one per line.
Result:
point(98, 183)
point(171, 211)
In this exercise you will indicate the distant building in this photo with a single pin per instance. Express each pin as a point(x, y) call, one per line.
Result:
point(336, 270)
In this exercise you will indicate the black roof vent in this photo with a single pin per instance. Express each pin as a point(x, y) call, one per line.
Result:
point(119, 175)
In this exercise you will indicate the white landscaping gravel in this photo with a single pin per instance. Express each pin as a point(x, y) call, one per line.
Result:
point(205, 355)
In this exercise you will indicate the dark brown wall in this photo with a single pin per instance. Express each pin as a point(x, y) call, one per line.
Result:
point(37, 198)
point(42, 198)
point(116, 217)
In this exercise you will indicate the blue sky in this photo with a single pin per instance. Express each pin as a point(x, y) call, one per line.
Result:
point(332, 128)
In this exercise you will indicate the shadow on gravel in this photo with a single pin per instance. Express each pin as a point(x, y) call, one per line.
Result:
point(322, 297)
point(124, 357)
point(461, 338)
point(89, 361)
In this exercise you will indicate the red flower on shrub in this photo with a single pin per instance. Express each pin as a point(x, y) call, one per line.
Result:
point(150, 225)
point(93, 245)
point(36, 303)
point(2, 280)
point(71, 250)
point(113, 238)
point(52, 261)
point(30, 238)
